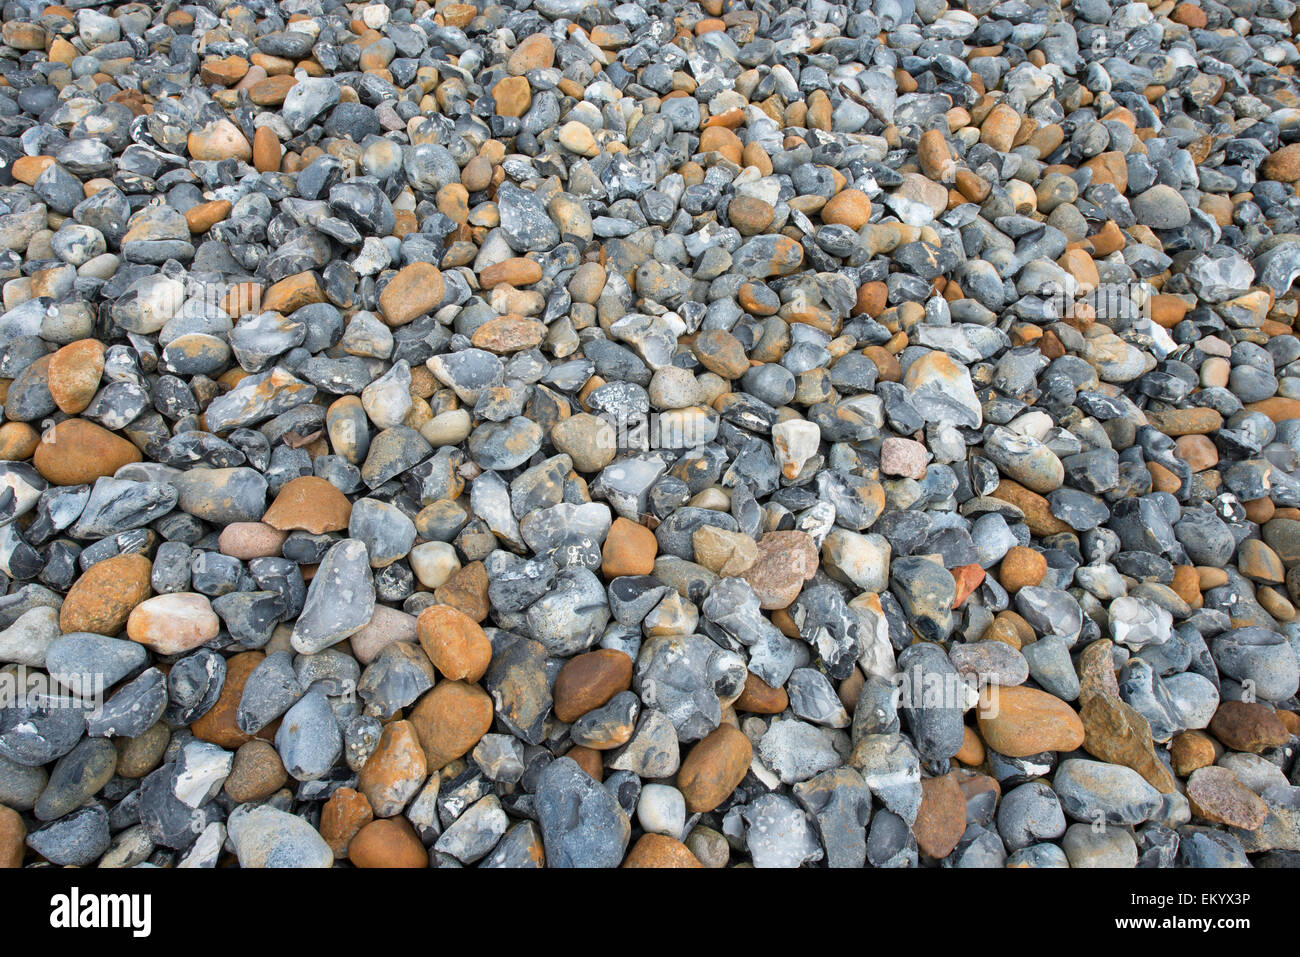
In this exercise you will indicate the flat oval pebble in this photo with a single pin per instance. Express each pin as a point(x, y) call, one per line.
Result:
point(454, 643)
point(1018, 722)
point(450, 720)
point(589, 680)
point(713, 768)
point(102, 599)
point(171, 624)
point(76, 451)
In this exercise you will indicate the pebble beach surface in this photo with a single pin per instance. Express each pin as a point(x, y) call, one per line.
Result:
point(580, 434)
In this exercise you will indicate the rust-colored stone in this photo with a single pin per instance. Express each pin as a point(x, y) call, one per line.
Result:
point(1019, 721)
point(309, 504)
point(589, 680)
point(449, 720)
point(101, 600)
point(387, 842)
point(659, 850)
point(345, 813)
point(714, 768)
point(76, 452)
point(761, 698)
point(454, 642)
point(941, 820)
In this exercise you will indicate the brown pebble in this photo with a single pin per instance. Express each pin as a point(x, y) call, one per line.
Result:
point(971, 753)
point(395, 770)
point(589, 759)
point(629, 549)
point(760, 697)
point(345, 813)
point(292, 293)
point(256, 773)
point(1248, 726)
point(449, 720)
point(204, 216)
point(1021, 567)
point(309, 504)
point(13, 835)
point(387, 842)
point(590, 680)
point(218, 725)
point(714, 768)
point(74, 374)
point(415, 290)
point(1019, 721)
point(454, 642)
point(786, 559)
point(101, 600)
point(249, 540)
point(1218, 796)
point(849, 207)
point(267, 152)
point(76, 452)
point(467, 591)
point(941, 820)
point(1290, 720)
point(1190, 750)
point(517, 271)
point(137, 756)
point(660, 850)
point(18, 441)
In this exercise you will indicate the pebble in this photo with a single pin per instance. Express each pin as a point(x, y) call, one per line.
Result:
point(309, 740)
point(1019, 722)
point(340, 600)
point(1029, 814)
point(264, 836)
point(309, 504)
point(388, 842)
point(341, 817)
point(629, 550)
point(1118, 733)
point(1248, 727)
point(454, 642)
point(778, 833)
point(102, 600)
point(941, 818)
point(476, 832)
point(1218, 796)
point(25, 641)
point(1086, 846)
point(449, 720)
point(1093, 790)
point(582, 823)
point(255, 774)
point(75, 839)
point(713, 768)
point(661, 810)
point(588, 681)
point(172, 624)
point(13, 833)
point(659, 850)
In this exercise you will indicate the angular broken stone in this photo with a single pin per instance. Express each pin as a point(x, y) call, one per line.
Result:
point(340, 599)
